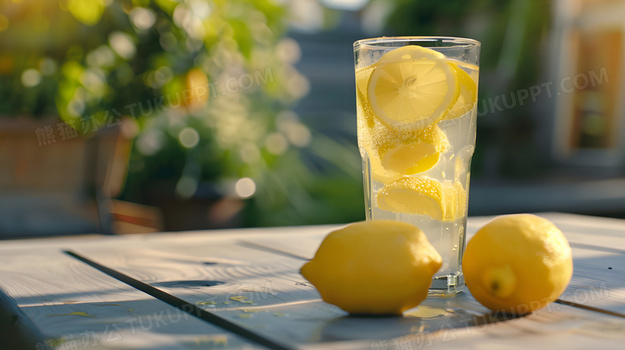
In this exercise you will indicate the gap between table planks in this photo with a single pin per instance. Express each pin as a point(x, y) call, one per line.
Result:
point(274, 289)
point(284, 306)
point(68, 304)
point(598, 246)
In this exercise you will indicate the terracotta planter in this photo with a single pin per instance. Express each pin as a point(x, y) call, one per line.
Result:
point(54, 181)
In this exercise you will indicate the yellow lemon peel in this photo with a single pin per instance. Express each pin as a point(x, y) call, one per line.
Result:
point(374, 267)
point(517, 263)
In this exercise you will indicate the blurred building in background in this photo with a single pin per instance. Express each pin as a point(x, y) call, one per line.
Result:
point(551, 126)
point(238, 113)
point(588, 61)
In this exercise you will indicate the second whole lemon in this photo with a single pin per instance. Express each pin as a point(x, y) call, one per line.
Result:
point(374, 267)
point(517, 263)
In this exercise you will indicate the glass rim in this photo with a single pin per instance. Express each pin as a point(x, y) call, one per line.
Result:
point(394, 39)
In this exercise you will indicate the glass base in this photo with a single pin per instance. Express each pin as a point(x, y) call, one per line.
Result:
point(446, 286)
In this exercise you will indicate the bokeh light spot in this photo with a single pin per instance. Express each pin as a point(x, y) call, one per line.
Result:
point(162, 76)
point(245, 187)
point(101, 57)
point(189, 137)
point(186, 187)
point(76, 106)
point(249, 153)
point(142, 18)
point(288, 51)
point(47, 66)
point(168, 41)
point(31, 77)
point(276, 143)
point(122, 44)
point(87, 12)
point(150, 142)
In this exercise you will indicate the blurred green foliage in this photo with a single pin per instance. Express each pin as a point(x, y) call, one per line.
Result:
point(513, 34)
point(211, 85)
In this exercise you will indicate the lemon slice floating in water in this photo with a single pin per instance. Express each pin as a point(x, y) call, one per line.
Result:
point(412, 87)
point(423, 196)
point(413, 195)
point(455, 201)
point(413, 153)
point(468, 92)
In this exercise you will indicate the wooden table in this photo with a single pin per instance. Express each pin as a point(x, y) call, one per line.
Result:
point(242, 289)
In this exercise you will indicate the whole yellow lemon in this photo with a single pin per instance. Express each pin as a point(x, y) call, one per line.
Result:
point(517, 263)
point(374, 267)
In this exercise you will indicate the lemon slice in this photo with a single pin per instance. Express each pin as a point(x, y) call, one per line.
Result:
point(392, 154)
point(455, 201)
point(365, 111)
point(378, 172)
point(362, 78)
point(414, 154)
point(468, 93)
point(412, 52)
point(413, 195)
point(412, 87)
point(423, 196)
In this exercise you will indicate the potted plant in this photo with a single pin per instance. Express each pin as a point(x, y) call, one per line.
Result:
point(207, 86)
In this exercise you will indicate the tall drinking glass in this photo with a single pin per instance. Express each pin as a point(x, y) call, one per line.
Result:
point(416, 112)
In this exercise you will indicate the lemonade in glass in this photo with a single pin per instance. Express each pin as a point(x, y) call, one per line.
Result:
point(416, 116)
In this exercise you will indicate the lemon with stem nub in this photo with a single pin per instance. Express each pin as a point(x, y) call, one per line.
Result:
point(517, 263)
point(374, 267)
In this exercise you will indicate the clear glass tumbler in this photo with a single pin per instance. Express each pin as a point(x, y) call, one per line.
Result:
point(416, 112)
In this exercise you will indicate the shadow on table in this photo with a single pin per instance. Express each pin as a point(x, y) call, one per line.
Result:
point(431, 316)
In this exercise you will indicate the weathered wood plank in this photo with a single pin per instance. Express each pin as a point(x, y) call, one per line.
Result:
point(598, 246)
point(16, 330)
point(598, 280)
point(264, 292)
point(74, 306)
point(599, 260)
point(238, 275)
